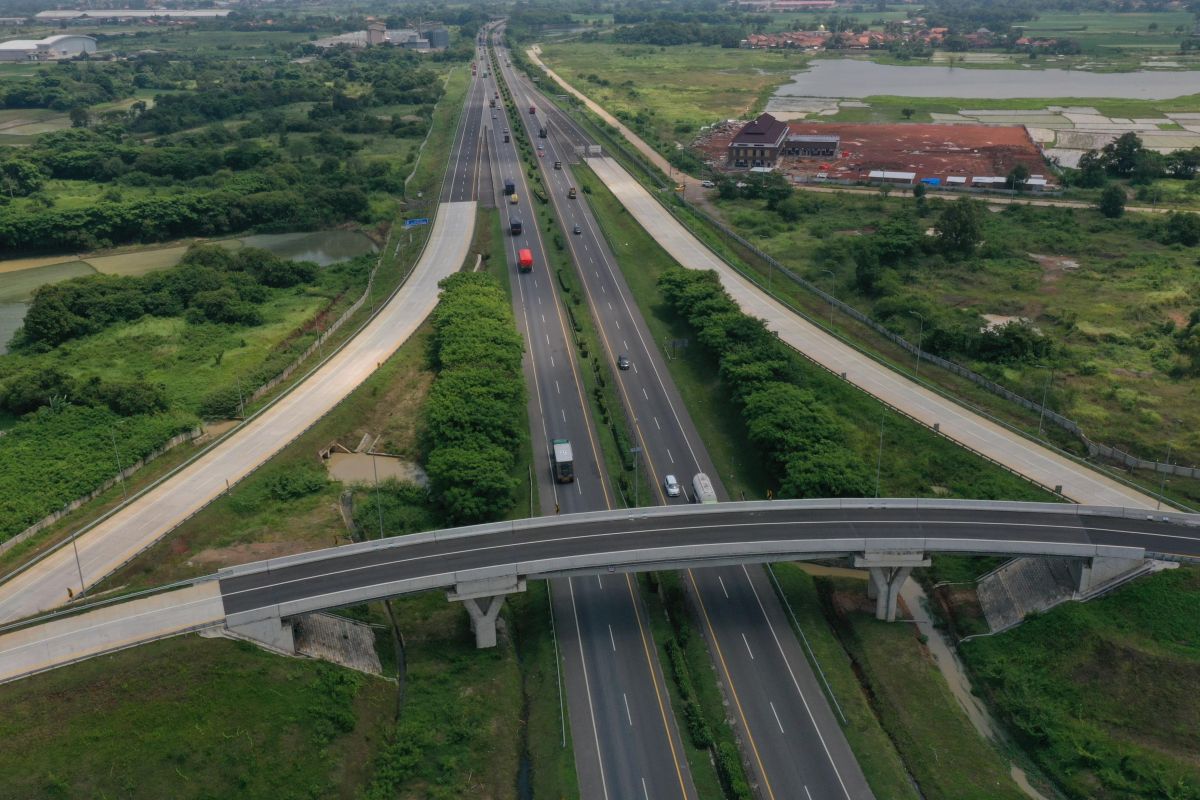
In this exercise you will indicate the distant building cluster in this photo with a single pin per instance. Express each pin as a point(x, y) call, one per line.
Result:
point(51, 48)
point(783, 6)
point(123, 15)
point(378, 33)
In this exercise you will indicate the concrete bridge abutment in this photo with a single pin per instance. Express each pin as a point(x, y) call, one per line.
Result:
point(888, 570)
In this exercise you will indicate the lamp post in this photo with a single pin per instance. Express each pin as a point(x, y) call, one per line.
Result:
point(879, 461)
point(636, 451)
point(1162, 486)
point(1045, 395)
point(920, 338)
point(832, 289)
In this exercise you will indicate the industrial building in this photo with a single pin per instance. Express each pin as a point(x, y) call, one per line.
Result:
point(63, 45)
point(758, 143)
point(377, 33)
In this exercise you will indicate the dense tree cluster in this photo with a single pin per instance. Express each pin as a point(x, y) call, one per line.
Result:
point(28, 391)
point(475, 414)
point(211, 284)
point(796, 433)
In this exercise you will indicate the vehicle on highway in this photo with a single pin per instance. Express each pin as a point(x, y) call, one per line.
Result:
point(493, 115)
point(506, 137)
point(513, 199)
point(558, 165)
point(578, 229)
point(541, 133)
point(525, 259)
point(533, 109)
point(672, 487)
point(497, 96)
point(707, 184)
point(541, 153)
point(510, 187)
point(623, 361)
point(506, 131)
point(703, 490)
point(562, 461)
point(514, 226)
point(571, 193)
point(492, 103)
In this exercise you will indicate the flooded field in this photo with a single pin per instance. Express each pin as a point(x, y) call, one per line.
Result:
point(853, 78)
point(20, 277)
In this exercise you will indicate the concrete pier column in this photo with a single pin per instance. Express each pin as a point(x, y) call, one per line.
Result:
point(483, 612)
point(482, 592)
point(888, 570)
point(1098, 571)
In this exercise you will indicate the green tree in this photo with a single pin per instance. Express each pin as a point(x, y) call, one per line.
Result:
point(1182, 229)
point(1119, 157)
point(960, 226)
point(1112, 201)
point(1017, 177)
point(1091, 171)
point(20, 177)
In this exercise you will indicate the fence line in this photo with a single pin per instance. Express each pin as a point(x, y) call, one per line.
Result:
point(54, 517)
point(1047, 414)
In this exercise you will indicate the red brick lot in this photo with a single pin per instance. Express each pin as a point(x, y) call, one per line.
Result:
point(931, 151)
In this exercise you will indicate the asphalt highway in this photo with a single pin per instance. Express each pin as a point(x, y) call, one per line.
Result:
point(788, 732)
point(623, 732)
point(148, 517)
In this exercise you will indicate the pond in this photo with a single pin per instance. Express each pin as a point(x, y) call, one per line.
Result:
point(844, 77)
point(321, 247)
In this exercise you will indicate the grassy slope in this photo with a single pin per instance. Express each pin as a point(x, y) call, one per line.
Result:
point(1114, 714)
point(946, 756)
point(188, 718)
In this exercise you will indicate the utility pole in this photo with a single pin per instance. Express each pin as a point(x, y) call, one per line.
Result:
point(117, 455)
point(378, 502)
point(1162, 486)
point(636, 452)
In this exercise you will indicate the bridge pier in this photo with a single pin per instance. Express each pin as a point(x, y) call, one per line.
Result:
point(272, 633)
point(888, 571)
point(483, 598)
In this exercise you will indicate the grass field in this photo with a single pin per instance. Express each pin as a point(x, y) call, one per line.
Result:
point(675, 89)
point(191, 718)
point(1102, 695)
point(1109, 307)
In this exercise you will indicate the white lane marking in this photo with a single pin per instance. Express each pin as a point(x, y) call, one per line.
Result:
point(556, 388)
point(578, 487)
point(552, 361)
point(780, 724)
point(628, 716)
point(543, 319)
point(597, 273)
point(599, 582)
point(609, 306)
point(796, 683)
point(625, 343)
point(612, 640)
point(646, 792)
point(587, 686)
point(746, 642)
point(563, 411)
point(723, 589)
point(807, 792)
point(670, 456)
point(644, 393)
point(547, 340)
point(635, 369)
point(656, 424)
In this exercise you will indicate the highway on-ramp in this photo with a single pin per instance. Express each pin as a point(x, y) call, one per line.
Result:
point(1029, 459)
point(145, 519)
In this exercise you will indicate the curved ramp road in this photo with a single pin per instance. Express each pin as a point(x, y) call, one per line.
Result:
point(968, 429)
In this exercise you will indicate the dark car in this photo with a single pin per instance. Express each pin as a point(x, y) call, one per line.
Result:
point(622, 361)
point(578, 229)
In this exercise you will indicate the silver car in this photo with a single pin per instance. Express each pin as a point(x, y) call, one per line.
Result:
point(672, 486)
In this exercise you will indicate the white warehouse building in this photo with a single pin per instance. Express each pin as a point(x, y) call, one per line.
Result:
point(65, 45)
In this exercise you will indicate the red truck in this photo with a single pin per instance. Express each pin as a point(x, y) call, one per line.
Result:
point(525, 260)
point(533, 109)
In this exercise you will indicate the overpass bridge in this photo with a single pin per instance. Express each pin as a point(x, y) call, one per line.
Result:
point(479, 565)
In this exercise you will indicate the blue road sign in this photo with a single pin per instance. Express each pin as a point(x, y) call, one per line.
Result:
point(409, 223)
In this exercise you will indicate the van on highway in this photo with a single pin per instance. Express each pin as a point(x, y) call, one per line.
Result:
point(702, 489)
point(514, 226)
point(525, 259)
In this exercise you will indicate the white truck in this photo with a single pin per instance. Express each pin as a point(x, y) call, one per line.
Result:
point(562, 461)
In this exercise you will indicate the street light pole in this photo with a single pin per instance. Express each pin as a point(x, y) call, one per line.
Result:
point(1162, 486)
point(117, 455)
point(1045, 394)
point(920, 339)
point(832, 289)
point(879, 461)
